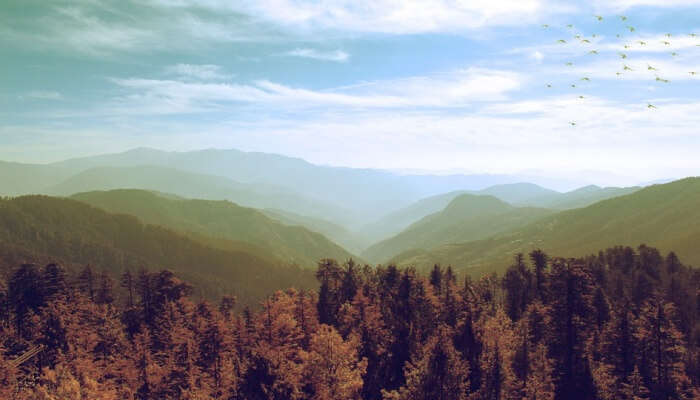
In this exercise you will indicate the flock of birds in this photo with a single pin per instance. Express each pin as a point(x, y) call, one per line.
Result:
point(624, 57)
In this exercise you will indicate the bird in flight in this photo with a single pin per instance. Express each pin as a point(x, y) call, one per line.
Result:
point(549, 85)
point(661, 80)
point(569, 26)
point(692, 35)
point(599, 17)
point(643, 43)
point(667, 43)
point(651, 105)
point(618, 35)
point(627, 46)
point(585, 78)
point(572, 123)
point(618, 73)
point(622, 17)
point(545, 26)
point(650, 68)
point(569, 64)
point(631, 28)
point(585, 41)
point(674, 54)
point(573, 85)
point(623, 55)
point(693, 73)
point(581, 97)
point(626, 68)
point(668, 35)
point(593, 52)
point(577, 36)
point(594, 35)
point(562, 41)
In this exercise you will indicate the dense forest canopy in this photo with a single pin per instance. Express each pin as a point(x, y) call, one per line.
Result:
point(622, 324)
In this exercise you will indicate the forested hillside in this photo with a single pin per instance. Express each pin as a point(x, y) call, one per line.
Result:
point(517, 194)
point(467, 217)
point(665, 216)
point(46, 229)
point(622, 324)
point(223, 220)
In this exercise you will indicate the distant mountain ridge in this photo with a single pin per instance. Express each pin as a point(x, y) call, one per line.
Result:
point(466, 217)
point(519, 194)
point(370, 204)
point(666, 216)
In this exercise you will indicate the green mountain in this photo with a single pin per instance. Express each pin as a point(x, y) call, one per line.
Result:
point(397, 221)
point(467, 217)
point(366, 194)
point(664, 216)
point(583, 197)
point(519, 194)
point(221, 220)
point(45, 229)
point(337, 233)
point(192, 185)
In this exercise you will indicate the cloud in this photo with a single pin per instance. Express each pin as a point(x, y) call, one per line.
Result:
point(620, 5)
point(205, 72)
point(42, 95)
point(385, 16)
point(456, 89)
point(337, 55)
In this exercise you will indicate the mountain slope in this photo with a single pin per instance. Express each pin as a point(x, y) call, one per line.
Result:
point(348, 240)
point(192, 185)
point(519, 194)
point(42, 229)
point(585, 196)
point(220, 219)
point(466, 217)
point(664, 216)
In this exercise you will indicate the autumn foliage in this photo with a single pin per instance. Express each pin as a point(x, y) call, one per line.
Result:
point(619, 325)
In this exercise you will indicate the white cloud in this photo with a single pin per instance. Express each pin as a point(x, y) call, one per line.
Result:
point(537, 56)
point(620, 5)
point(455, 89)
point(205, 72)
point(336, 55)
point(385, 16)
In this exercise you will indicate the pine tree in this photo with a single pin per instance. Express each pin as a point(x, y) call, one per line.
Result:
point(438, 372)
point(332, 367)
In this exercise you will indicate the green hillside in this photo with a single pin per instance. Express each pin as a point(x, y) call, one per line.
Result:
point(519, 194)
point(42, 229)
point(220, 219)
point(350, 241)
point(581, 197)
point(467, 217)
point(664, 216)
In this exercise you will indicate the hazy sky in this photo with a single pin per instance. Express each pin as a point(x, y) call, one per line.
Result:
point(424, 84)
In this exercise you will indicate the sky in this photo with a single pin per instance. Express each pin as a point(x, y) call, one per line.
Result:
point(420, 85)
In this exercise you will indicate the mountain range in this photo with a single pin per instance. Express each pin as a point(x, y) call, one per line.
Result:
point(666, 216)
point(295, 212)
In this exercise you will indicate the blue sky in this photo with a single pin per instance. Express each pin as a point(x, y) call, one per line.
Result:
point(442, 85)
